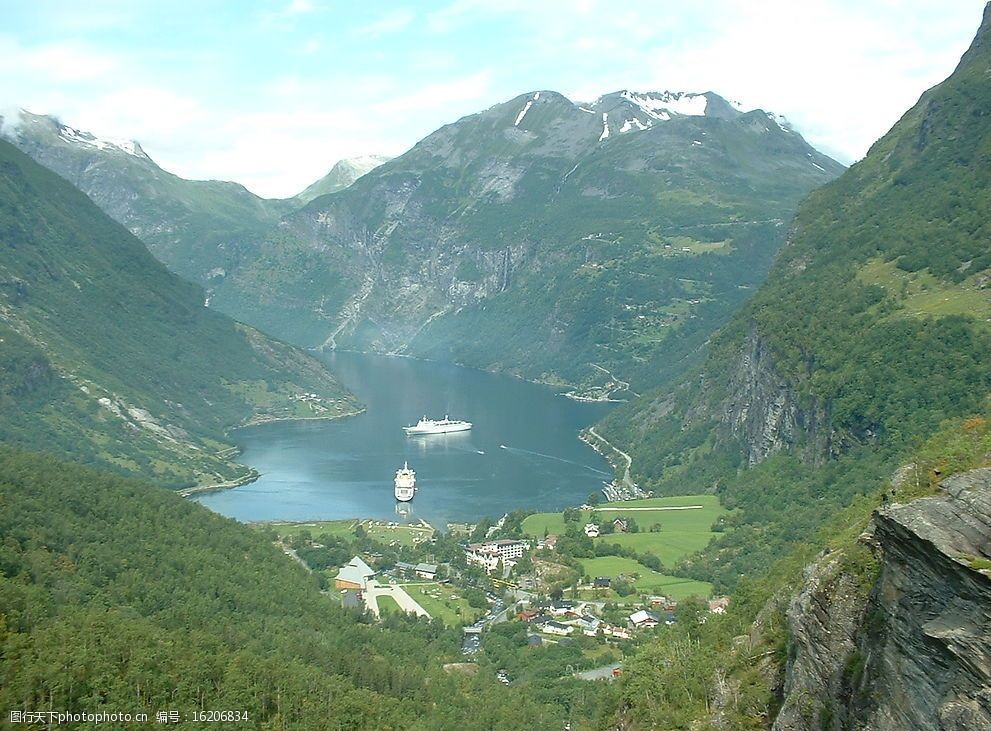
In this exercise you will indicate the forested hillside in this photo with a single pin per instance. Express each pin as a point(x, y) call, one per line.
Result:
point(107, 358)
point(117, 596)
point(872, 328)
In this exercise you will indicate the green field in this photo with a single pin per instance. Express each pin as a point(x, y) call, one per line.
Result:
point(649, 581)
point(443, 602)
point(379, 530)
point(682, 532)
point(387, 605)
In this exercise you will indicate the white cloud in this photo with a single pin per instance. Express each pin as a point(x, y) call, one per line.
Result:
point(56, 63)
point(279, 115)
point(391, 22)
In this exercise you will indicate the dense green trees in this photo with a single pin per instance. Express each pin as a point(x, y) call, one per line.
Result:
point(116, 595)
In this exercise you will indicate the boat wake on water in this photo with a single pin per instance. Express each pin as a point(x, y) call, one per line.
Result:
point(557, 459)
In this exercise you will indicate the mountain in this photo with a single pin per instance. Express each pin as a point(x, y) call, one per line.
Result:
point(873, 327)
point(560, 241)
point(195, 227)
point(341, 176)
point(108, 358)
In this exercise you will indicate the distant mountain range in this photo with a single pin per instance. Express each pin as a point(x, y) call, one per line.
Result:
point(559, 241)
point(592, 244)
point(341, 176)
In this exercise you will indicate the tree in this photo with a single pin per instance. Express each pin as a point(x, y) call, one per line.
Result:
point(360, 532)
point(622, 586)
point(593, 499)
point(572, 515)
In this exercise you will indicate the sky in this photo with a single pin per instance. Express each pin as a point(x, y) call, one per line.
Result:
point(270, 94)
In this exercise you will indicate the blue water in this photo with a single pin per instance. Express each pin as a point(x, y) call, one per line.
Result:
point(522, 452)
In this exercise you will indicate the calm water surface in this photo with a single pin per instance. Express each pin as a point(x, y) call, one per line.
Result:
point(522, 452)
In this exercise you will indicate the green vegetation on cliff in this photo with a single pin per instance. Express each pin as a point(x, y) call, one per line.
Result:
point(109, 359)
point(871, 330)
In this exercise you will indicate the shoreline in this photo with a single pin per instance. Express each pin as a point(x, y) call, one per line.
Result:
point(218, 486)
point(235, 450)
point(594, 444)
point(421, 523)
point(258, 421)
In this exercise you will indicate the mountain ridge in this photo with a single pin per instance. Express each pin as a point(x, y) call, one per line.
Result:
point(110, 359)
point(490, 211)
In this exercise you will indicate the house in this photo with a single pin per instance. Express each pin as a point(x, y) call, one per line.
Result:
point(426, 571)
point(527, 616)
point(354, 575)
point(556, 628)
point(719, 605)
point(561, 608)
point(657, 600)
point(589, 625)
point(601, 582)
point(548, 542)
point(620, 525)
point(488, 554)
point(591, 530)
point(618, 632)
point(643, 620)
point(404, 569)
point(534, 641)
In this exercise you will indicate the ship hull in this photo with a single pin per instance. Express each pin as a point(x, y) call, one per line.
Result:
point(404, 497)
point(419, 431)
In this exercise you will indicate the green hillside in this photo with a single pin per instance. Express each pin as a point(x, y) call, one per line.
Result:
point(107, 358)
point(116, 596)
point(197, 227)
point(870, 331)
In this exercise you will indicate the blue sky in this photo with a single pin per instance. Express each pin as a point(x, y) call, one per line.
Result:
point(271, 93)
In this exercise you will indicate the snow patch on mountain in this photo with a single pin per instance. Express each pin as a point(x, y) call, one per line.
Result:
point(519, 117)
point(78, 137)
point(605, 127)
point(662, 105)
point(629, 124)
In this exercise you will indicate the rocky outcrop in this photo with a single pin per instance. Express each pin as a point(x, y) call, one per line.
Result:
point(927, 643)
point(763, 412)
point(823, 621)
point(916, 652)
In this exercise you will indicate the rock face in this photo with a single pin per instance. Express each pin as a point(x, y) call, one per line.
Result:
point(928, 636)
point(916, 654)
point(763, 412)
point(823, 621)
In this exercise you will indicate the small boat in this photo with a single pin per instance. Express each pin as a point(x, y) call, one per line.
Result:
point(440, 426)
point(405, 483)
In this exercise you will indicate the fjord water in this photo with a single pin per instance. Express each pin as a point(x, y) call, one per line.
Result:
point(523, 451)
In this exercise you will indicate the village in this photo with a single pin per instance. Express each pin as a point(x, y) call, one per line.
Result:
point(570, 588)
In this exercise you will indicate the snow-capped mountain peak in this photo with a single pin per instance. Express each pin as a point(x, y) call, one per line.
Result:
point(87, 139)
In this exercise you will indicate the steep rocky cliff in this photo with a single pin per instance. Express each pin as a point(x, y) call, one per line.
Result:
point(873, 324)
point(914, 652)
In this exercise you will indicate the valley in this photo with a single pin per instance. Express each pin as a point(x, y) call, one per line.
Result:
point(729, 460)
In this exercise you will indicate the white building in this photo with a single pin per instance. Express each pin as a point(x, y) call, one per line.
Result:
point(592, 530)
point(354, 575)
point(488, 554)
point(556, 628)
point(643, 619)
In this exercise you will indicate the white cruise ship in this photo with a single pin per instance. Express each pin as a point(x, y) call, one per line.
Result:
point(405, 484)
point(442, 426)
